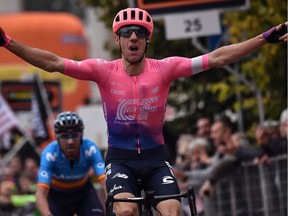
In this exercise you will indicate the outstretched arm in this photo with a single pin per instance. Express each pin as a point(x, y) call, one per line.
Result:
point(43, 59)
point(232, 53)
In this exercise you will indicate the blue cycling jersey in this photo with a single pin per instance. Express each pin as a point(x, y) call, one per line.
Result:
point(59, 173)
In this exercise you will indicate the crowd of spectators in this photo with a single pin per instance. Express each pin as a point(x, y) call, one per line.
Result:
point(18, 181)
point(217, 150)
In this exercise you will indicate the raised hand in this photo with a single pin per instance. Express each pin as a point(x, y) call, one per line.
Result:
point(277, 33)
point(4, 39)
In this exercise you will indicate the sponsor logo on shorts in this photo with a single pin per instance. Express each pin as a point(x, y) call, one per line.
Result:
point(108, 169)
point(167, 180)
point(116, 188)
point(120, 175)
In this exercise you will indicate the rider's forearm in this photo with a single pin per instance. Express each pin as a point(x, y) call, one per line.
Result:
point(232, 53)
point(42, 203)
point(43, 208)
point(45, 60)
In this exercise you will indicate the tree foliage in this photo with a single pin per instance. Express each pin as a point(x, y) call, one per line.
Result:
point(267, 68)
point(216, 90)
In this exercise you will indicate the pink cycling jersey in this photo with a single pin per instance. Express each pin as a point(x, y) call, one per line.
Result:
point(134, 106)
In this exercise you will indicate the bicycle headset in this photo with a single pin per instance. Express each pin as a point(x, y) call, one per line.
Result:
point(68, 122)
point(133, 16)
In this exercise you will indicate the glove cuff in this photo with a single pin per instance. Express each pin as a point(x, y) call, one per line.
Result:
point(268, 33)
point(4, 38)
point(7, 41)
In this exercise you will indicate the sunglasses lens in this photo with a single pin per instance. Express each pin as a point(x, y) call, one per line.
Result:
point(141, 32)
point(127, 31)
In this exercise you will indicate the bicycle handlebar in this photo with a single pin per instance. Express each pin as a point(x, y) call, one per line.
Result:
point(150, 196)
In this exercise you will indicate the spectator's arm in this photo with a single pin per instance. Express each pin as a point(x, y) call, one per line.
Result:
point(219, 170)
point(249, 153)
point(222, 168)
point(4, 200)
point(198, 174)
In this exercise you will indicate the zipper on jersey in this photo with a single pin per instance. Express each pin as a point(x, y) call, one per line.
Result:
point(138, 142)
point(136, 116)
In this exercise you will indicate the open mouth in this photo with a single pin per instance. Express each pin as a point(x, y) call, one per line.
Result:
point(133, 48)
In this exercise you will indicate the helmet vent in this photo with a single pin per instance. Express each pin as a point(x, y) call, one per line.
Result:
point(125, 15)
point(141, 15)
point(133, 14)
point(68, 121)
point(148, 19)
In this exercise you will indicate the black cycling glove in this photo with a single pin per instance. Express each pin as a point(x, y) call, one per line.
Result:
point(4, 39)
point(272, 35)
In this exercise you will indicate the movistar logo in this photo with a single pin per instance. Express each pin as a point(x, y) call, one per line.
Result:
point(50, 157)
point(91, 151)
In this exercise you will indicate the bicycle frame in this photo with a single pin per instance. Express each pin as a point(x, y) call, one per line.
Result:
point(148, 198)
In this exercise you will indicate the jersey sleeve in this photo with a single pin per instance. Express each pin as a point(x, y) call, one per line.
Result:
point(176, 67)
point(91, 69)
point(48, 158)
point(97, 161)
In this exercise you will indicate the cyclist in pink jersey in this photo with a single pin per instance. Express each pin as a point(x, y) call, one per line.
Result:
point(134, 92)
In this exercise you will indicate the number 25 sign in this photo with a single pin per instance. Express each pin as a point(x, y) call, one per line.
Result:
point(192, 24)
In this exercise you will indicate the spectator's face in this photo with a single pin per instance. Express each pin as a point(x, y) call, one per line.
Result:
point(197, 152)
point(7, 174)
point(15, 165)
point(25, 184)
point(261, 135)
point(218, 133)
point(203, 127)
point(30, 165)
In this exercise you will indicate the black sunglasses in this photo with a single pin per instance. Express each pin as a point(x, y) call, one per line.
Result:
point(127, 31)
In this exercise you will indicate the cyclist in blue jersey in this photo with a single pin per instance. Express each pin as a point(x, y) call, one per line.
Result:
point(64, 186)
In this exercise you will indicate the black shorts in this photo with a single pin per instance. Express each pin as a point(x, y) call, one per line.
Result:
point(84, 202)
point(155, 173)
